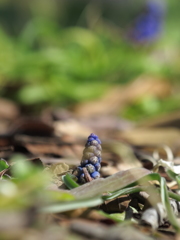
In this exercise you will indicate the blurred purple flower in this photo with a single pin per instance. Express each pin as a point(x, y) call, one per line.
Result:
point(149, 24)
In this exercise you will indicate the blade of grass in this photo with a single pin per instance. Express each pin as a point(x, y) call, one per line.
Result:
point(69, 182)
point(174, 196)
point(164, 196)
point(174, 176)
point(71, 205)
point(3, 165)
point(131, 188)
point(122, 192)
point(166, 203)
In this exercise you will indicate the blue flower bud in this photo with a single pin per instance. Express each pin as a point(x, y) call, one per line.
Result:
point(88, 144)
point(97, 166)
point(99, 147)
point(90, 139)
point(78, 171)
point(97, 153)
point(94, 143)
point(99, 159)
point(84, 162)
point(93, 135)
point(93, 160)
point(82, 178)
point(88, 155)
point(90, 149)
point(90, 168)
point(95, 175)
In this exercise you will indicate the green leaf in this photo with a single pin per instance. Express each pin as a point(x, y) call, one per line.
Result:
point(3, 165)
point(103, 185)
point(6, 177)
point(21, 168)
point(123, 191)
point(164, 197)
point(174, 196)
point(174, 176)
point(69, 182)
point(165, 200)
point(117, 217)
point(67, 206)
point(61, 196)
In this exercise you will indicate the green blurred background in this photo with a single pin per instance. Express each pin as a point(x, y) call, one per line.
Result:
point(64, 52)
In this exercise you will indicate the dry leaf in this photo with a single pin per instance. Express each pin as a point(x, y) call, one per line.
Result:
point(119, 96)
point(151, 136)
point(59, 169)
point(8, 109)
point(71, 127)
point(165, 120)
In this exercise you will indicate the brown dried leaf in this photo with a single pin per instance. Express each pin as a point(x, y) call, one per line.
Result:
point(98, 231)
point(151, 136)
point(165, 120)
point(8, 109)
point(59, 168)
point(119, 96)
point(125, 153)
point(31, 127)
point(117, 205)
point(51, 148)
point(72, 127)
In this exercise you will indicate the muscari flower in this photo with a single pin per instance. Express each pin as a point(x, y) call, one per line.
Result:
point(91, 159)
point(148, 25)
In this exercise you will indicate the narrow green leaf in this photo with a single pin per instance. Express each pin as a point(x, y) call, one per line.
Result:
point(174, 176)
point(3, 165)
point(174, 196)
point(145, 179)
point(117, 217)
point(123, 191)
point(166, 203)
point(71, 205)
point(165, 198)
point(69, 182)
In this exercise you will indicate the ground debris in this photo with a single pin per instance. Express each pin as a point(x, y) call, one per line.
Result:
point(128, 153)
point(98, 231)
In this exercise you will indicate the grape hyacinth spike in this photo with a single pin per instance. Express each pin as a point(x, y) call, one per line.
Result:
point(91, 160)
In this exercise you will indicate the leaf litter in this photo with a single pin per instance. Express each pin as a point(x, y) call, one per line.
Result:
point(129, 199)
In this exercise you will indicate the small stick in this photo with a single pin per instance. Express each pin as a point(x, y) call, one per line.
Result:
point(87, 176)
point(3, 172)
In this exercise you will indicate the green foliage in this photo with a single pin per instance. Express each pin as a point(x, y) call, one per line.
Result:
point(69, 182)
point(46, 63)
point(71, 205)
point(149, 106)
point(3, 165)
point(129, 188)
point(117, 217)
point(27, 187)
point(174, 176)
